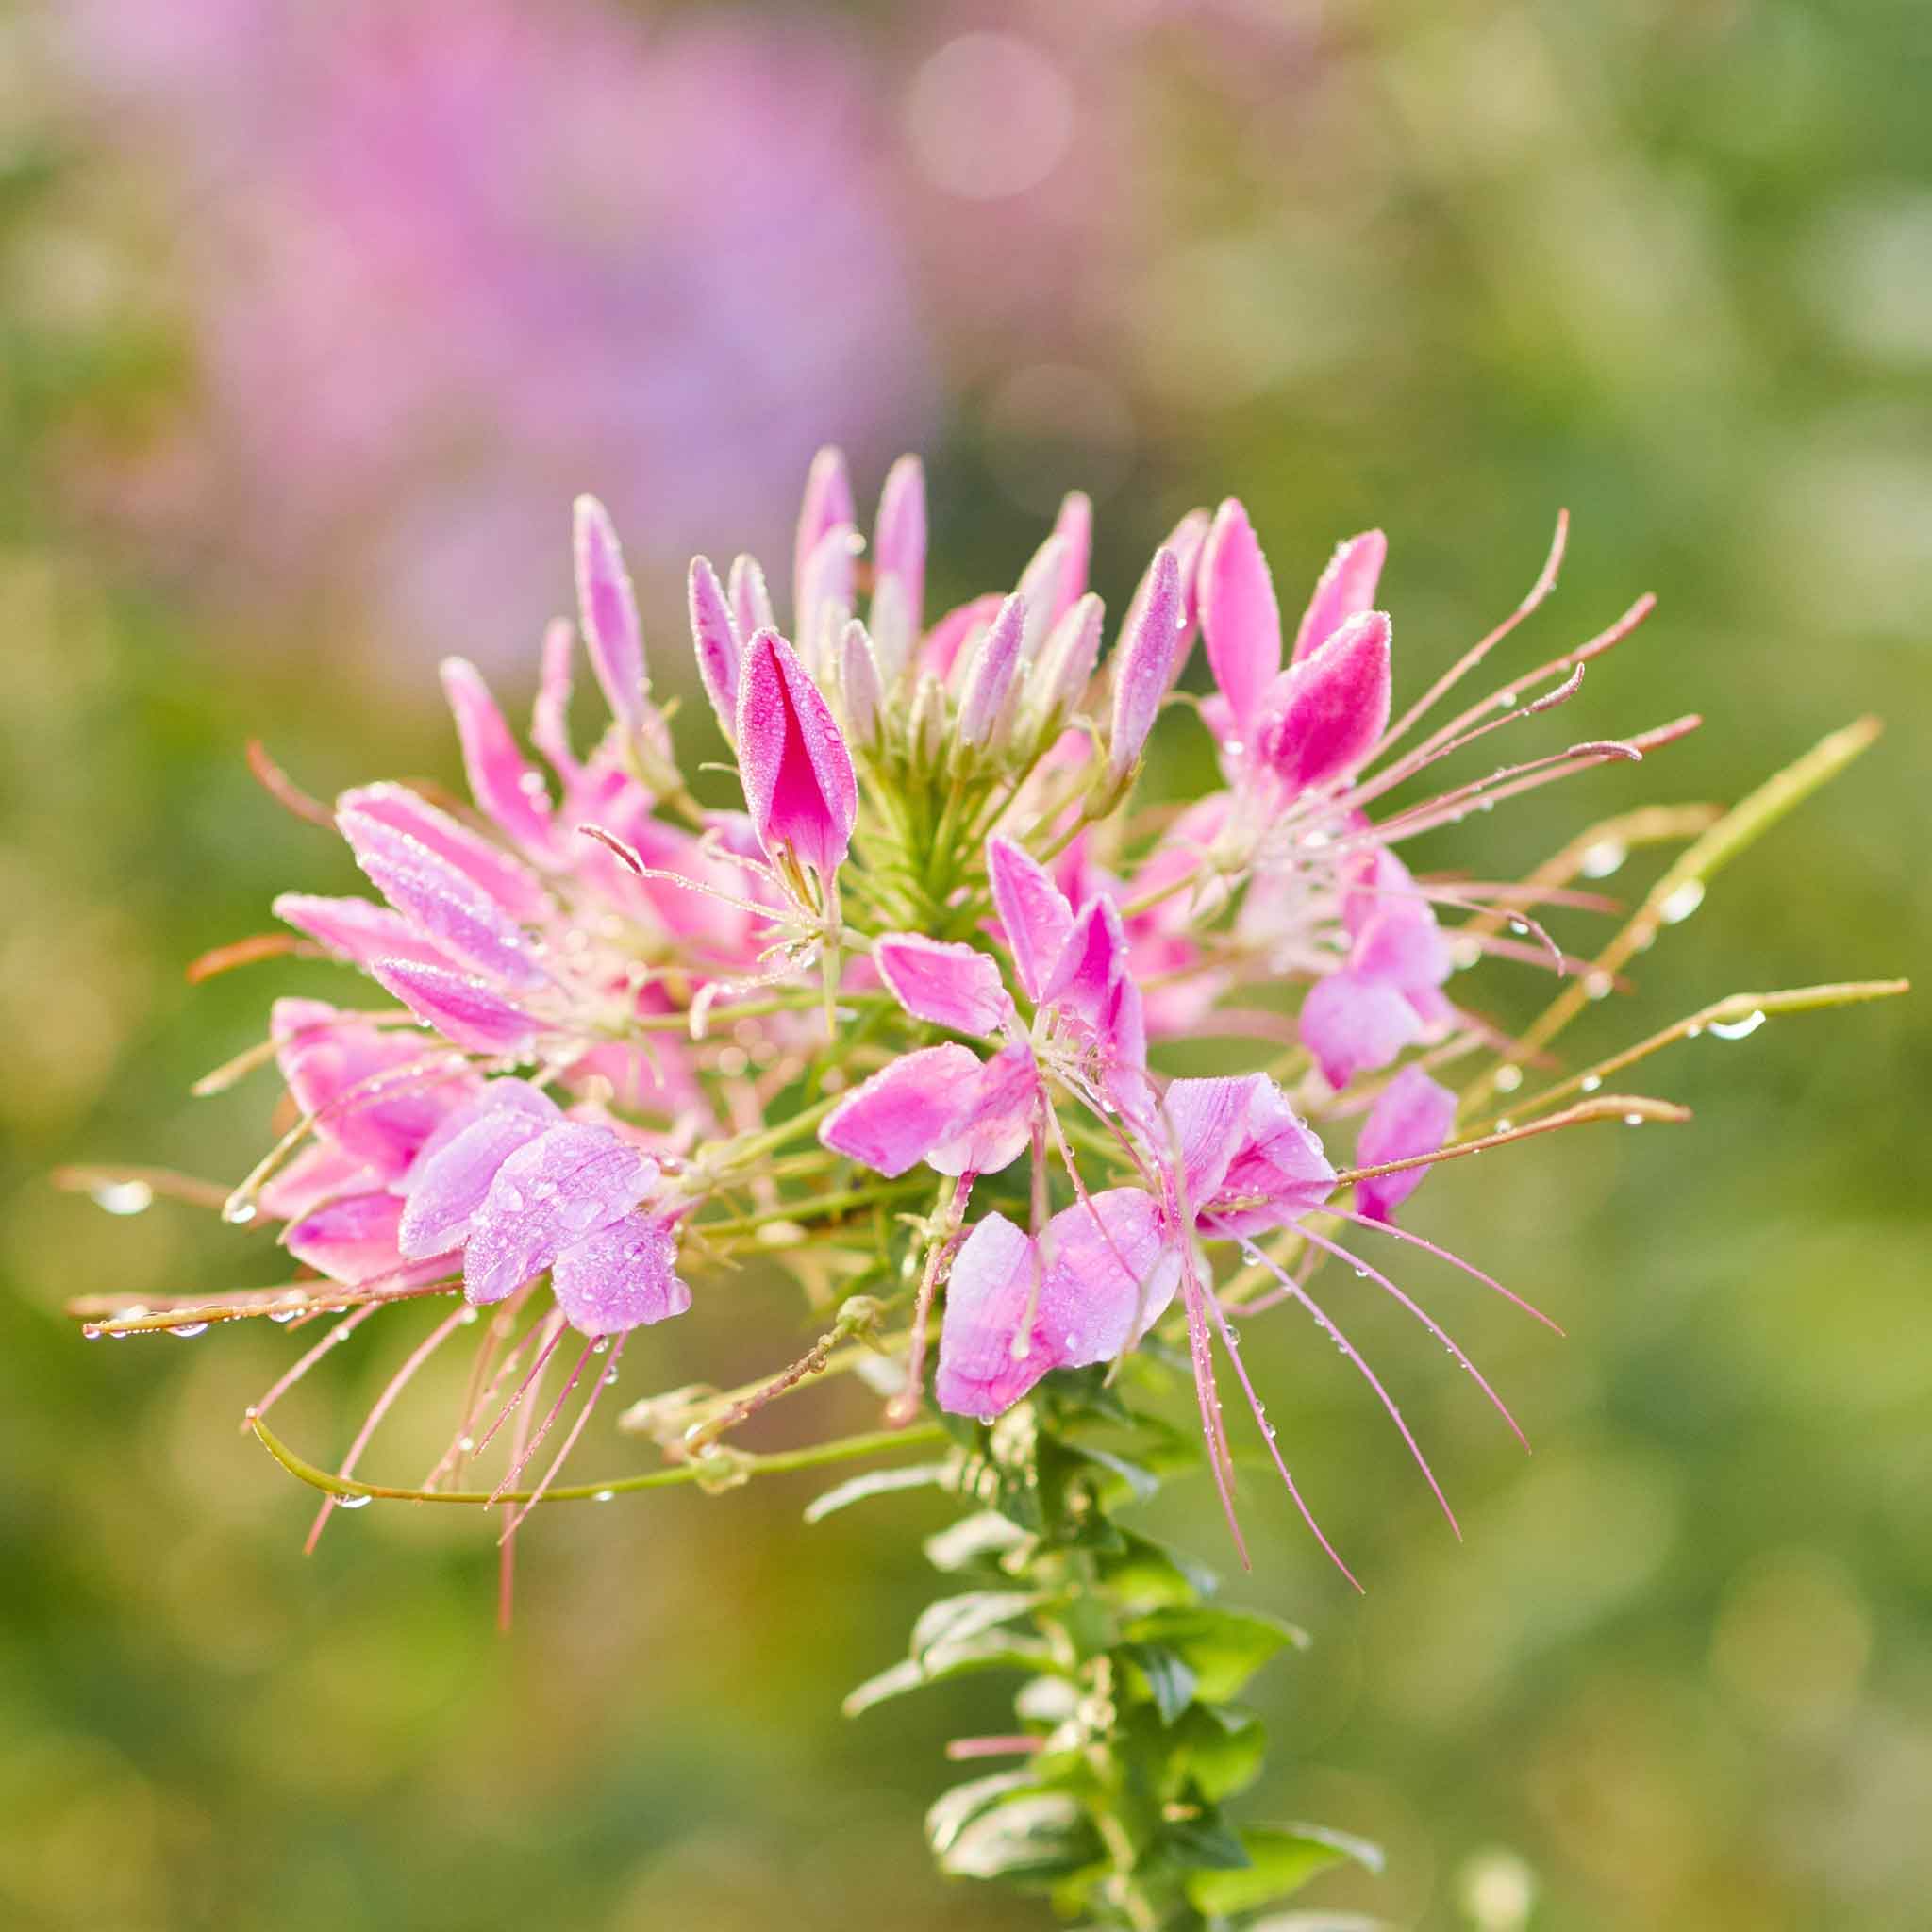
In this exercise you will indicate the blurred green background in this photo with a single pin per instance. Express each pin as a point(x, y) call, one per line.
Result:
point(312, 318)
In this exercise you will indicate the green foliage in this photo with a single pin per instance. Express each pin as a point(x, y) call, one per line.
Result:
point(1130, 1739)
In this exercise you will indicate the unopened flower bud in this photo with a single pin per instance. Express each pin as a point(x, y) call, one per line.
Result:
point(925, 725)
point(609, 614)
point(990, 677)
point(1066, 665)
point(715, 641)
point(860, 691)
point(1143, 666)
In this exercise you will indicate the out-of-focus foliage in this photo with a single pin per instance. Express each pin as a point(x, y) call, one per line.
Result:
point(1436, 267)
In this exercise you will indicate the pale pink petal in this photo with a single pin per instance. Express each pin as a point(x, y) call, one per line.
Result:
point(1347, 588)
point(357, 929)
point(826, 504)
point(799, 784)
point(1144, 663)
point(1186, 539)
point(608, 612)
point(952, 986)
point(550, 714)
point(320, 1172)
point(549, 1194)
point(828, 591)
point(1412, 1115)
point(1003, 1103)
point(751, 602)
point(1404, 945)
point(715, 641)
point(1279, 1163)
point(944, 640)
point(1354, 1026)
point(509, 789)
point(622, 1278)
point(1240, 621)
point(445, 904)
point(989, 674)
point(449, 1182)
point(1074, 525)
point(898, 544)
point(507, 880)
point(985, 1362)
point(1067, 661)
point(1326, 713)
point(1203, 1125)
point(1039, 590)
point(465, 1010)
point(894, 1120)
point(1033, 912)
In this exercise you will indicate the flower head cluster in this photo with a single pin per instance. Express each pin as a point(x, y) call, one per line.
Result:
point(911, 1008)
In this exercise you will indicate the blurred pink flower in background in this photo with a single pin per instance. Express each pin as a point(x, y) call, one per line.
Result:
point(444, 265)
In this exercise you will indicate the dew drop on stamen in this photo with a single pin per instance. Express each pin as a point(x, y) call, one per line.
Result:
point(1519, 927)
point(1737, 1029)
point(122, 1197)
point(604, 1495)
point(468, 1315)
point(238, 1213)
point(1633, 1120)
point(1681, 904)
point(465, 1445)
point(1601, 860)
point(189, 1329)
point(1590, 1082)
point(1504, 1123)
point(354, 1502)
point(1596, 986)
point(1507, 1078)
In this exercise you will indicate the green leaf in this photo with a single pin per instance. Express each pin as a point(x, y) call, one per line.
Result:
point(954, 1619)
point(1223, 1648)
point(876, 1482)
point(974, 1540)
point(1039, 1837)
point(1141, 1482)
point(1147, 1576)
point(1218, 1750)
point(994, 1650)
point(1282, 1859)
point(1204, 1844)
point(952, 1811)
point(1165, 1676)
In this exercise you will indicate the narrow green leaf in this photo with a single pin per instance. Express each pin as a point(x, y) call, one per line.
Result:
point(1219, 1750)
point(1141, 1482)
point(955, 1619)
point(994, 1651)
point(974, 1540)
point(876, 1482)
point(952, 1811)
point(1041, 1837)
point(1165, 1675)
point(1204, 1844)
point(1281, 1860)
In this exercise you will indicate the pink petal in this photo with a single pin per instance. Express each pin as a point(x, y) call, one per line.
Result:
point(463, 1008)
point(1203, 1124)
point(798, 779)
point(357, 929)
point(952, 985)
point(897, 1117)
point(1033, 912)
point(507, 880)
point(1186, 539)
point(989, 1290)
point(622, 1278)
point(828, 591)
point(990, 673)
point(1411, 1115)
point(1095, 952)
point(715, 639)
point(1403, 945)
point(944, 642)
point(1067, 659)
point(1240, 621)
point(549, 1194)
point(1144, 662)
point(1353, 1025)
point(1330, 708)
point(504, 783)
point(320, 1172)
point(550, 715)
point(827, 503)
point(751, 602)
point(368, 1086)
point(1347, 589)
point(1001, 1104)
point(898, 544)
point(1074, 527)
point(1280, 1161)
point(608, 611)
point(444, 903)
point(352, 1239)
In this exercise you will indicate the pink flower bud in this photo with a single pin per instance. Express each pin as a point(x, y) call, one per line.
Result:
point(1326, 713)
point(827, 503)
point(715, 639)
point(799, 784)
point(1066, 664)
point(751, 601)
point(1412, 1115)
point(1346, 588)
point(862, 692)
point(989, 675)
point(1240, 621)
point(1143, 664)
point(898, 545)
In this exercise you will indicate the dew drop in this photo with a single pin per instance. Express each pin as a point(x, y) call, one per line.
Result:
point(1590, 1082)
point(604, 1495)
point(1633, 1120)
point(1507, 1078)
point(1506, 698)
point(187, 1329)
point(89, 1331)
point(122, 1197)
point(1601, 860)
point(1737, 1029)
point(1680, 904)
point(465, 1445)
point(1596, 986)
point(238, 1213)
point(354, 1502)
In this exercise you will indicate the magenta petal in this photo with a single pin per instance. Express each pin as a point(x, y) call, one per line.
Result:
point(1412, 1115)
point(952, 985)
point(352, 1239)
point(1353, 1025)
point(507, 880)
point(504, 783)
point(357, 929)
point(993, 1130)
point(443, 902)
point(1402, 944)
point(894, 1119)
point(462, 1007)
point(798, 779)
point(449, 1183)
point(1332, 706)
point(608, 611)
point(1346, 588)
point(365, 1084)
point(320, 1172)
point(622, 1278)
point(1095, 952)
point(715, 639)
point(1033, 912)
point(570, 1181)
point(1279, 1163)
point(1240, 621)
point(1144, 662)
